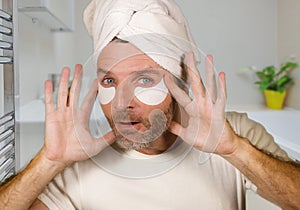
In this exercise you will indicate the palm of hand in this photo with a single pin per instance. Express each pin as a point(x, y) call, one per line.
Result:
point(67, 135)
point(207, 128)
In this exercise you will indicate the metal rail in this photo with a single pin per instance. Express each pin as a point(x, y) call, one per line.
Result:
point(7, 120)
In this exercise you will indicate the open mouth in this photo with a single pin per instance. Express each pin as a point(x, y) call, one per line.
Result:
point(128, 123)
point(128, 126)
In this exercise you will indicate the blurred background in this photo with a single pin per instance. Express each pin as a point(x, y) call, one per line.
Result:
point(50, 34)
point(237, 33)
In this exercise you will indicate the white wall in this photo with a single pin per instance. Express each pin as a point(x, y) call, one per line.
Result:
point(43, 52)
point(237, 33)
point(36, 57)
point(289, 43)
point(76, 47)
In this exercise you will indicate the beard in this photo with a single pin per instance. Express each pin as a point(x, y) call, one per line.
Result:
point(156, 125)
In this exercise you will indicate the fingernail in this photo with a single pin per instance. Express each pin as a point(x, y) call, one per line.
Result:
point(210, 57)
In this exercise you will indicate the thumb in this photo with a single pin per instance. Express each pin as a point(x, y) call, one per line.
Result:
point(104, 141)
point(175, 128)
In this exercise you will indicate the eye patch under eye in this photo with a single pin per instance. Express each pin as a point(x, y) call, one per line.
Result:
point(152, 95)
point(106, 95)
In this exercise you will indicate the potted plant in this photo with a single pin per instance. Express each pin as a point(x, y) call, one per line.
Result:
point(273, 82)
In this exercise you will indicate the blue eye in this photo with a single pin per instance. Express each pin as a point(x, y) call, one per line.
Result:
point(145, 81)
point(108, 81)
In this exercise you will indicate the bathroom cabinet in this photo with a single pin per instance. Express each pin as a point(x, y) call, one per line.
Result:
point(56, 14)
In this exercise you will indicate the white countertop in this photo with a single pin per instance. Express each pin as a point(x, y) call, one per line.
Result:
point(282, 124)
point(34, 111)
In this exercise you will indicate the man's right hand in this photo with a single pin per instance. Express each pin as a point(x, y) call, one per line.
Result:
point(67, 139)
point(67, 135)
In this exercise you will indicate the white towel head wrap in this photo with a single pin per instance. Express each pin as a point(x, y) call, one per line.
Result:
point(156, 27)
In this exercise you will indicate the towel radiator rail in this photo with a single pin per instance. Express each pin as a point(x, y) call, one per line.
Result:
point(8, 125)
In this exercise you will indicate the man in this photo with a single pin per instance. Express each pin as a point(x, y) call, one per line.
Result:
point(166, 135)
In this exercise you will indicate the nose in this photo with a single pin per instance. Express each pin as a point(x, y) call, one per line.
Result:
point(124, 98)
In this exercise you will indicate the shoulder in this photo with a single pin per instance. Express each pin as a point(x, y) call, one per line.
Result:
point(247, 128)
point(255, 133)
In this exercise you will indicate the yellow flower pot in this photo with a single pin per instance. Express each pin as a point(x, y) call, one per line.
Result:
point(274, 99)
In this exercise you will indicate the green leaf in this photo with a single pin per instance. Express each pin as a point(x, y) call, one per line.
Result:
point(263, 86)
point(271, 79)
point(269, 71)
point(283, 81)
point(287, 67)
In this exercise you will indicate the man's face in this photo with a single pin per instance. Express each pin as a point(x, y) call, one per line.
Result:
point(133, 96)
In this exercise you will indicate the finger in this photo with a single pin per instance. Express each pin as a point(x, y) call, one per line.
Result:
point(179, 95)
point(49, 104)
point(211, 85)
point(176, 129)
point(75, 88)
point(222, 93)
point(104, 141)
point(195, 78)
point(62, 95)
point(89, 99)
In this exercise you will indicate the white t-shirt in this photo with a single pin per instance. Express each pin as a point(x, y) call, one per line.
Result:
point(182, 178)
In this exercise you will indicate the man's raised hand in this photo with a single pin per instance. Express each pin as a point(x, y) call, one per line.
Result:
point(207, 128)
point(67, 134)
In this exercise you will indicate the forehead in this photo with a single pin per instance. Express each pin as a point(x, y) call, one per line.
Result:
point(124, 58)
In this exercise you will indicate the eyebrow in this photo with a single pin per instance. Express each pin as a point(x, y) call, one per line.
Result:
point(102, 71)
point(139, 72)
point(146, 71)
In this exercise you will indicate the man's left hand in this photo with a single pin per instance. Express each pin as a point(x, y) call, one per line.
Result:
point(207, 128)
